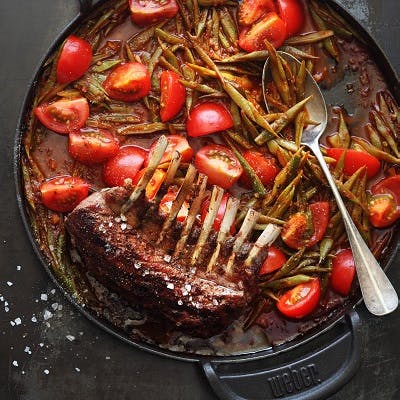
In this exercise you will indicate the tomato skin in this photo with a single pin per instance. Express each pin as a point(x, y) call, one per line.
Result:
point(63, 193)
point(124, 165)
point(220, 214)
point(175, 142)
point(152, 11)
point(74, 60)
point(275, 260)
point(355, 159)
point(207, 118)
point(251, 10)
point(390, 185)
point(166, 203)
point(343, 271)
point(219, 164)
point(293, 233)
point(265, 168)
point(92, 146)
point(128, 82)
point(292, 13)
point(155, 183)
point(63, 116)
point(270, 27)
point(382, 210)
point(301, 300)
point(173, 95)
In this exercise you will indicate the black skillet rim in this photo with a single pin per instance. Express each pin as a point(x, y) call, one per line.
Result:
point(86, 9)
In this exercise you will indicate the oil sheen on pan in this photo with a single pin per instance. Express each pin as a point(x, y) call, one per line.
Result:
point(172, 205)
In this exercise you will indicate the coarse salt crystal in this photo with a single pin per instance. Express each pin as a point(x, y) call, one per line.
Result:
point(184, 292)
point(5, 303)
point(215, 302)
point(110, 224)
point(70, 338)
point(167, 258)
point(1, 298)
point(47, 315)
point(52, 291)
point(19, 268)
point(108, 357)
point(180, 302)
point(17, 321)
point(12, 323)
point(43, 297)
point(123, 226)
point(123, 218)
point(27, 350)
point(9, 283)
point(77, 369)
point(15, 363)
point(6, 309)
point(117, 219)
point(137, 264)
point(46, 371)
point(54, 306)
point(34, 319)
point(170, 286)
point(188, 287)
point(60, 307)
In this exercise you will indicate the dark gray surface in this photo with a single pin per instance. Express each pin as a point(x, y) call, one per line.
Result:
point(108, 368)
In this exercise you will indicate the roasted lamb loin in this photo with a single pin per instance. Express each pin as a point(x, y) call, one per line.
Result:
point(195, 280)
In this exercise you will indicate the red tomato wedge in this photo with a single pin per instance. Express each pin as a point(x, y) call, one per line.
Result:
point(63, 116)
point(343, 271)
point(173, 95)
point(384, 205)
point(207, 118)
point(63, 193)
point(166, 204)
point(275, 260)
point(265, 168)
point(155, 183)
point(147, 12)
point(295, 232)
point(301, 300)
point(251, 10)
point(124, 165)
point(292, 13)
point(128, 82)
point(175, 142)
point(355, 159)
point(219, 164)
point(74, 60)
point(270, 27)
point(220, 214)
point(92, 146)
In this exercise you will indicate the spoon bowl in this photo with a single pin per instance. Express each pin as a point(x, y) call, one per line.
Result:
point(378, 293)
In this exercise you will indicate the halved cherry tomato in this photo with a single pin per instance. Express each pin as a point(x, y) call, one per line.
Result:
point(147, 12)
point(251, 10)
point(270, 27)
point(172, 95)
point(355, 159)
point(208, 117)
point(124, 165)
point(384, 205)
point(175, 142)
point(343, 271)
point(63, 116)
point(265, 168)
point(128, 82)
point(382, 210)
point(275, 259)
point(166, 204)
point(296, 233)
point(63, 193)
point(301, 300)
point(292, 13)
point(155, 183)
point(219, 164)
point(92, 145)
point(220, 214)
point(74, 60)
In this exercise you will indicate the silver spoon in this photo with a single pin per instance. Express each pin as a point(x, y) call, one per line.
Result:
point(379, 295)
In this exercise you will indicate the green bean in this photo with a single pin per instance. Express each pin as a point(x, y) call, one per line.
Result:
point(162, 61)
point(298, 127)
point(185, 15)
point(214, 41)
point(300, 81)
point(169, 37)
point(308, 38)
point(105, 65)
point(376, 152)
point(228, 25)
point(215, 3)
point(384, 132)
point(141, 129)
point(138, 41)
point(289, 265)
point(258, 187)
point(239, 139)
point(199, 87)
point(387, 115)
point(288, 282)
point(325, 247)
point(299, 54)
point(202, 23)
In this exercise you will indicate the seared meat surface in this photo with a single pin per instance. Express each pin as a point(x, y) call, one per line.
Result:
point(128, 261)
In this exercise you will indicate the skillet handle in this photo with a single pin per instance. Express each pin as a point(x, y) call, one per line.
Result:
point(306, 373)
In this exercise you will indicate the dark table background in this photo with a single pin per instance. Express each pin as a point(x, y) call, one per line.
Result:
point(95, 365)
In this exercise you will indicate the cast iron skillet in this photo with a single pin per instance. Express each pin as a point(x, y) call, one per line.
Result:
point(311, 367)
